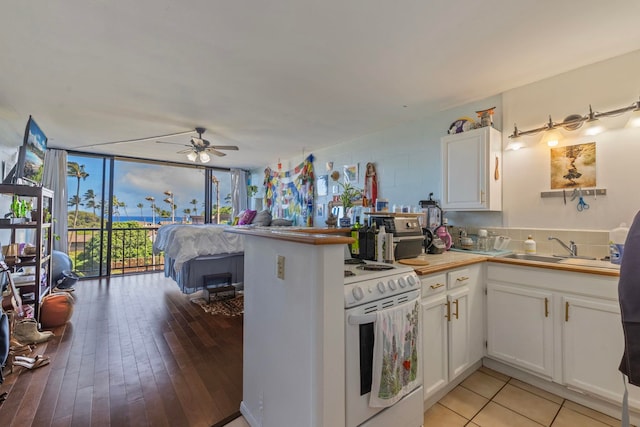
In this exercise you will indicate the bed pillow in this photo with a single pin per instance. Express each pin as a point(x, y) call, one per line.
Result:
point(281, 222)
point(247, 217)
point(262, 218)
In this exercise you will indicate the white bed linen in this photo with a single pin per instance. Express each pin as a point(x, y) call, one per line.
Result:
point(182, 242)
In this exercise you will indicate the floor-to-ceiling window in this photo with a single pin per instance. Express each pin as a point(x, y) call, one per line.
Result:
point(117, 205)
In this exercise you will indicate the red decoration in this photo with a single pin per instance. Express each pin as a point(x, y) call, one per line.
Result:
point(406, 364)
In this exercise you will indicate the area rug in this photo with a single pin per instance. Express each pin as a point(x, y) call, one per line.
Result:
point(229, 307)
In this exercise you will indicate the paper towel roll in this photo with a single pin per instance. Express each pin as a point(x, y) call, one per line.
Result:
point(380, 244)
point(388, 247)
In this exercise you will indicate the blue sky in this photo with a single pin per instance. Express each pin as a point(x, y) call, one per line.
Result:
point(135, 181)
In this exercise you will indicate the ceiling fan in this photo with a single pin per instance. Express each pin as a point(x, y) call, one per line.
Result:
point(200, 148)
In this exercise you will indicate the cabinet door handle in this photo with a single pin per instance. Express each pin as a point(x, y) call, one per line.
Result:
point(546, 307)
point(448, 315)
point(462, 279)
point(456, 303)
point(566, 311)
point(437, 285)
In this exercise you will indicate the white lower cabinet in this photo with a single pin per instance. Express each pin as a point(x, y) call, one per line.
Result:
point(459, 329)
point(592, 346)
point(452, 318)
point(435, 347)
point(563, 326)
point(520, 327)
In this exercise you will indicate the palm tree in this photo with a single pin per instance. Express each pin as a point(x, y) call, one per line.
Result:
point(186, 212)
point(153, 207)
point(169, 200)
point(76, 171)
point(75, 201)
point(140, 206)
point(116, 205)
point(90, 200)
point(194, 202)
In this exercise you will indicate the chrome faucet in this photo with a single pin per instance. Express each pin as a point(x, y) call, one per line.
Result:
point(572, 248)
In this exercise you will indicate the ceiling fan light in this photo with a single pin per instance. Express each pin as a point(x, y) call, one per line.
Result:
point(192, 156)
point(204, 157)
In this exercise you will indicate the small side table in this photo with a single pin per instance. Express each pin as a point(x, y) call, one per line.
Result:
point(216, 284)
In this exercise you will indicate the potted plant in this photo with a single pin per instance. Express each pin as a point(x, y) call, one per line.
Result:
point(349, 195)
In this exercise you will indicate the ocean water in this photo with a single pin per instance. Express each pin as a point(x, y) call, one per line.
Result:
point(123, 218)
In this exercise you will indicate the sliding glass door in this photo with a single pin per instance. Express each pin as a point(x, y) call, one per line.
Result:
point(117, 205)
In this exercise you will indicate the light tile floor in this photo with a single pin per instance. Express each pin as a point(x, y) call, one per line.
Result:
point(490, 399)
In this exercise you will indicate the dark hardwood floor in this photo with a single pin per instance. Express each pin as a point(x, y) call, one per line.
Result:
point(136, 352)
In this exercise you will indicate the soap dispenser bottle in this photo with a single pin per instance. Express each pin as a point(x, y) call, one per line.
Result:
point(530, 245)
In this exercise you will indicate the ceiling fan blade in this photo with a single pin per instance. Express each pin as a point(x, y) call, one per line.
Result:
point(137, 139)
point(188, 150)
point(215, 152)
point(225, 147)
point(172, 143)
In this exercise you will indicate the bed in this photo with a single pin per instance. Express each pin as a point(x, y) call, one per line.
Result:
point(192, 252)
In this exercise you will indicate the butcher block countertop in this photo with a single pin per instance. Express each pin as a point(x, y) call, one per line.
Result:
point(603, 268)
point(450, 259)
point(300, 235)
point(446, 261)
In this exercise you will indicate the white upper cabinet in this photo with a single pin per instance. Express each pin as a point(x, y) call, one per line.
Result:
point(472, 170)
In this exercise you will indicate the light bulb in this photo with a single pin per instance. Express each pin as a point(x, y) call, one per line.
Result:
point(552, 137)
point(593, 127)
point(514, 145)
point(204, 157)
point(192, 156)
point(634, 119)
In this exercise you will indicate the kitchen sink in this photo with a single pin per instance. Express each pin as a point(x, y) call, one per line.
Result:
point(530, 257)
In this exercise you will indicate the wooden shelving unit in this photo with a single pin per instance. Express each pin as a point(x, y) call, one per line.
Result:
point(38, 231)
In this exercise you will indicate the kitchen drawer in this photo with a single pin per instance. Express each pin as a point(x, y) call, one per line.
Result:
point(458, 278)
point(432, 285)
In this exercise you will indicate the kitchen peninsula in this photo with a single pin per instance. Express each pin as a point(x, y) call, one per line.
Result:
point(293, 328)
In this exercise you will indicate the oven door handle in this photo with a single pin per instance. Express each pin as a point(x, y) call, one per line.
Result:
point(361, 319)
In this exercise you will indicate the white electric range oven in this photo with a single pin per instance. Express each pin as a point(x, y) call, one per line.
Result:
point(369, 288)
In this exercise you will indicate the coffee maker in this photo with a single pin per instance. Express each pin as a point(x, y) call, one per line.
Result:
point(433, 220)
point(433, 211)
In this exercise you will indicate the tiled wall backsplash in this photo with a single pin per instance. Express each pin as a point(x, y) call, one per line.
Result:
point(591, 243)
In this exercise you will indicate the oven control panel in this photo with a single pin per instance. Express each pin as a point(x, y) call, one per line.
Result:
point(373, 289)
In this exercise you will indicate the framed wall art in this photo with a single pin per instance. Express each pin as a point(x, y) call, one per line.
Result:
point(351, 174)
point(323, 185)
point(573, 166)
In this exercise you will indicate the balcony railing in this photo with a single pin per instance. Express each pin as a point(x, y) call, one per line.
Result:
point(131, 250)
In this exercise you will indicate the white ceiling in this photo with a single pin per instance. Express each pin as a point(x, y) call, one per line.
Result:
point(278, 77)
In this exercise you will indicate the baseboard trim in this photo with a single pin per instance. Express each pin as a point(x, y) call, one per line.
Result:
point(228, 419)
point(248, 417)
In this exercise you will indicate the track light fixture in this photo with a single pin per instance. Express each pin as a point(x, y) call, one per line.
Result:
point(593, 125)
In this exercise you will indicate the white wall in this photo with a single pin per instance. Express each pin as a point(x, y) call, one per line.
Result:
point(606, 85)
point(408, 156)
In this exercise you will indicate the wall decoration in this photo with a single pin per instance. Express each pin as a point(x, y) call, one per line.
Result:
point(323, 185)
point(289, 194)
point(573, 166)
point(351, 174)
point(370, 185)
point(320, 210)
